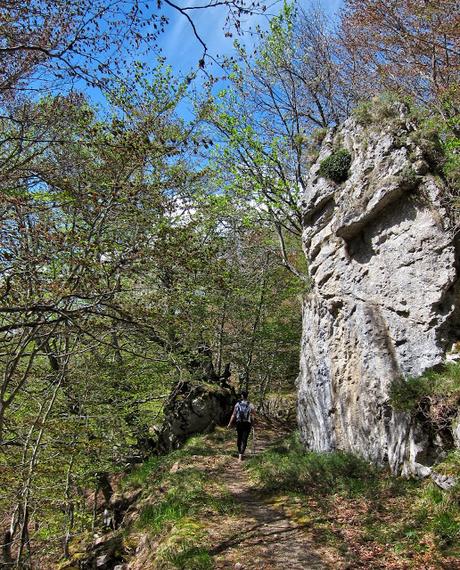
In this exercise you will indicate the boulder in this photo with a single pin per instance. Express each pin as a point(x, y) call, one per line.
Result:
point(194, 408)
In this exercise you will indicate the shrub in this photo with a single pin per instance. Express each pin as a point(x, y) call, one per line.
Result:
point(336, 166)
point(435, 385)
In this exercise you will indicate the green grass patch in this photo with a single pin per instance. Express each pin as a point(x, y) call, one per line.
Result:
point(407, 516)
point(185, 496)
point(288, 467)
point(198, 445)
point(178, 499)
point(153, 469)
point(141, 474)
point(450, 465)
point(406, 395)
point(180, 550)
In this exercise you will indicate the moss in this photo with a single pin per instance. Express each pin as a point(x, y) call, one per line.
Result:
point(180, 549)
point(450, 465)
point(336, 166)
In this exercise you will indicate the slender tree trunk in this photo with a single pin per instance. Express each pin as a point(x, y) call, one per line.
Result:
point(256, 324)
point(27, 489)
point(69, 508)
point(221, 335)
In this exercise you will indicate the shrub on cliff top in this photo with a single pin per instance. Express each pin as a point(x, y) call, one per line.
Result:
point(336, 166)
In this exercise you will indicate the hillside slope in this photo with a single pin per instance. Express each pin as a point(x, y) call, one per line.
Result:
point(200, 509)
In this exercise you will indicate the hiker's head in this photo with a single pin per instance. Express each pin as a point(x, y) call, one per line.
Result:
point(244, 395)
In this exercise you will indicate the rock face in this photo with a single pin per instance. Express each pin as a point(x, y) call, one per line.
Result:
point(192, 409)
point(384, 303)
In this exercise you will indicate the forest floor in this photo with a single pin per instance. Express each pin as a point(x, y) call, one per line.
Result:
point(281, 508)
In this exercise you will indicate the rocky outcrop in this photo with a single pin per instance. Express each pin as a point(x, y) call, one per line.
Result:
point(194, 408)
point(384, 303)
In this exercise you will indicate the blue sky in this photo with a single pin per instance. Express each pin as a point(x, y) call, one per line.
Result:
point(183, 51)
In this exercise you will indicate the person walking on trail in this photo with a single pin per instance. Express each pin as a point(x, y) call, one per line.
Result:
point(244, 416)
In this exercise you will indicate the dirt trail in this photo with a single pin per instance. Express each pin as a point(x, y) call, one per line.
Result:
point(263, 536)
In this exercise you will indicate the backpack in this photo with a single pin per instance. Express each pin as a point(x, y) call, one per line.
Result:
point(243, 411)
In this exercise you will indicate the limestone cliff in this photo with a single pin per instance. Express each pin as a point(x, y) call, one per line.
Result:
point(384, 300)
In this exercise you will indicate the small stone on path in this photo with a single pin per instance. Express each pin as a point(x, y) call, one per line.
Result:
point(175, 467)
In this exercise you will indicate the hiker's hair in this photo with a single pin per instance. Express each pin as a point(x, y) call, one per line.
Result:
point(244, 395)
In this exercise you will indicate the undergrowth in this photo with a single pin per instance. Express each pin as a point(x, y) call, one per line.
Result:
point(436, 134)
point(289, 467)
point(406, 395)
point(180, 494)
point(433, 398)
point(180, 548)
point(184, 495)
point(334, 490)
point(346, 503)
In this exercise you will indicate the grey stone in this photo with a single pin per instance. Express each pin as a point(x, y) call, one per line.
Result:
point(384, 300)
point(102, 560)
point(456, 431)
point(194, 408)
point(444, 481)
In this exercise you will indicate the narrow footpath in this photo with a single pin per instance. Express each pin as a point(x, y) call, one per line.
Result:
point(263, 536)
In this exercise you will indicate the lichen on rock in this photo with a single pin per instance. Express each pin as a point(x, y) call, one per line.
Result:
point(384, 303)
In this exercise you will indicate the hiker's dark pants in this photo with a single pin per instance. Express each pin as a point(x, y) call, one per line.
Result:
point(243, 429)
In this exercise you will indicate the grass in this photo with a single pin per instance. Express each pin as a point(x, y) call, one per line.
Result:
point(347, 504)
point(288, 467)
point(450, 465)
point(359, 509)
point(382, 108)
point(443, 384)
point(139, 476)
point(186, 495)
point(151, 471)
point(436, 135)
point(180, 550)
point(179, 495)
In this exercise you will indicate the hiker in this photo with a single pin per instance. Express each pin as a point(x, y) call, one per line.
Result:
point(244, 415)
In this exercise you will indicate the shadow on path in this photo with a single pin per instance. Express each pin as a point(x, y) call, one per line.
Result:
point(262, 537)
